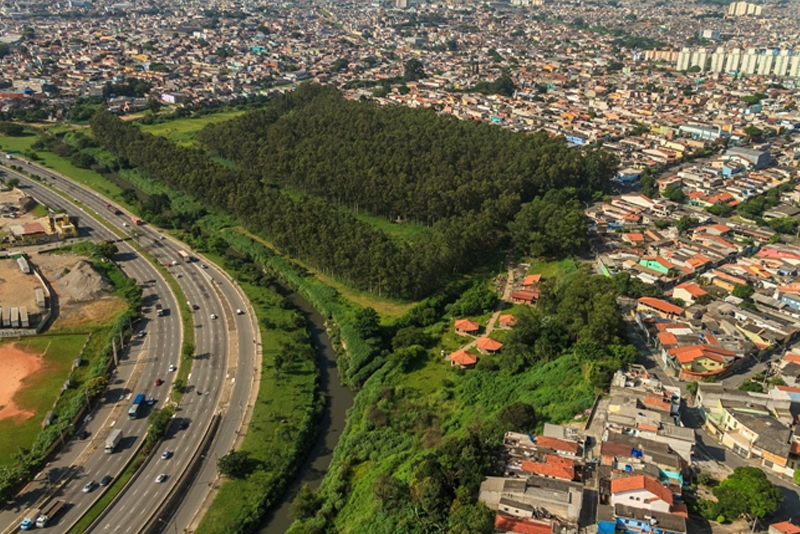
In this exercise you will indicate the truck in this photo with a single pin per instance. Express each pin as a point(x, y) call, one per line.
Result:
point(49, 512)
point(137, 221)
point(112, 209)
point(133, 411)
point(113, 440)
point(159, 310)
point(185, 256)
point(30, 519)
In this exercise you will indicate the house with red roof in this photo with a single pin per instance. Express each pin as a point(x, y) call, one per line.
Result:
point(688, 292)
point(487, 345)
point(466, 327)
point(463, 359)
point(561, 446)
point(659, 307)
point(531, 281)
point(506, 321)
point(525, 297)
point(642, 491)
point(553, 466)
point(503, 523)
point(700, 361)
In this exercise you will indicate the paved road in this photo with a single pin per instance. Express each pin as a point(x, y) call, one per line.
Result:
point(144, 358)
point(221, 379)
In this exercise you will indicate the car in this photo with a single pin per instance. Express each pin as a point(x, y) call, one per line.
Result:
point(90, 486)
point(213, 315)
point(162, 237)
point(158, 382)
point(184, 424)
point(195, 307)
point(151, 401)
point(174, 262)
point(204, 266)
point(106, 480)
point(166, 455)
point(161, 478)
point(140, 333)
point(179, 275)
point(239, 312)
point(125, 225)
point(172, 367)
point(83, 434)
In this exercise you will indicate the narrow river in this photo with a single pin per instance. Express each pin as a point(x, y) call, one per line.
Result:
point(339, 400)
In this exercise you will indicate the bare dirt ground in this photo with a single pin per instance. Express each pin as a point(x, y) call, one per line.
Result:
point(83, 295)
point(12, 197)
point(15, 365)
point(17, 288)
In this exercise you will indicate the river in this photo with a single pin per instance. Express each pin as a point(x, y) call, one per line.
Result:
point(331, 427)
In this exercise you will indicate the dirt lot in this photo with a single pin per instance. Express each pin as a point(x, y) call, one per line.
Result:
point(11, 198)
point(15, 366)
point(83, 295)
point(17, 288)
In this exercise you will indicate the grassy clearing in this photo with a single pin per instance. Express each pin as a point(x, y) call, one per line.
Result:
point(386, 307)
point(399, 231)
point(558, 270)
point(41, 389)
point(21, 143)
point(183, 131)
point(283, 401)
point(39, 211)
point(86, 177)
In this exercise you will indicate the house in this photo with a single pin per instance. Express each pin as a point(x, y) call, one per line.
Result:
point(561, 498)
point(632, 519)
point(688, 292)
point(700, 361)
point(506, 321)
point(641, 491)
point(503, 523)
point(657, 264)
point(554, 466)
point(525, 297)
point(531, 281)
point(466, 327)
point(752, 159)
point(783, 527)
point(463, 359)
point(487, 345)
point(658, 307)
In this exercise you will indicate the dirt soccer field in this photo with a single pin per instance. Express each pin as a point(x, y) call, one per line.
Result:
point(31, 373)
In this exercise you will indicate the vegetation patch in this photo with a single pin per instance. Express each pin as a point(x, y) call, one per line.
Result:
point(183, 131)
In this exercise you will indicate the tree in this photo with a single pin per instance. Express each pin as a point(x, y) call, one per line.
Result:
point(367, 323)
point(685, 223)
point(414, 70)
point(158, 419)
point(390, 492)
point(305, 504)
point(750, 385)
point(96, 386)
point(691, 387)
point(743, 291)
point(674, 194)
point(106, 249)
point(12, 182)
point(517, 416)
point(234, 464)
point(753, 132)
point(408, 336)
point(747, 491)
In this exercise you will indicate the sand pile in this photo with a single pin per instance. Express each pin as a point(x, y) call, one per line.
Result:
point(81, 283)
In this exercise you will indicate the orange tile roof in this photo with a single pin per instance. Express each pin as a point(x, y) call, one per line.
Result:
point(508, 524)
point(508, 319)
point(532, 279)
point(639, 482)
point(465, 325)
point(661, 305)
point(693, 289)
point(487, 343)
point(790, 357)
point(553, 467)
point(667, 339)
point(557, 444)
point(634, 237)
point(462, 357)
point(785, 527)
point(690, 353)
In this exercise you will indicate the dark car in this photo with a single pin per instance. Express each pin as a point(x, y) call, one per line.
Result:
point(158, 382)
point(106, 480)
point(83, 434)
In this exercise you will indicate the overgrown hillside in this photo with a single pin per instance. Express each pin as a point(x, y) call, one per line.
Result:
point(422, 435)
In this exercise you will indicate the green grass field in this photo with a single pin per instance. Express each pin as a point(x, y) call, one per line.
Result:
point(183, 131)
point(41, 389)
point(398, 231)
point(558, 270)
point(17, 143)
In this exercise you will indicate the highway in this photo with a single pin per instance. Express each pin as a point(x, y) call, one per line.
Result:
point(221, 378)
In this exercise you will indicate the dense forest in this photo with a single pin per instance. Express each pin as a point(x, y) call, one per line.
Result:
point(310, 159)
point(421, 437)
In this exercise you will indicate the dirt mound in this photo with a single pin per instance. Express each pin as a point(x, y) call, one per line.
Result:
point(81, 283)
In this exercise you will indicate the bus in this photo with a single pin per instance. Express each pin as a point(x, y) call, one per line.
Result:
point(133, 412)
point(185, 256)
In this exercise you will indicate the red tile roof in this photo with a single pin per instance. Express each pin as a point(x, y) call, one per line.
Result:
point(794, 358)
point(661, 305)
point(532, 279)
point(690, 353)
point(552, 467)
point(667, 339)
point(465, 325)
point(786, 528)
point(557, 444)
point(508, 319)
point(463, 358)
point(33, 228)
point(528, 296)
point(508, 524)
point(487, 343)
point(693, 289)
point(642, 482)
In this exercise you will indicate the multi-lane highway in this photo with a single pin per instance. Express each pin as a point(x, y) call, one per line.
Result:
point(221, 378)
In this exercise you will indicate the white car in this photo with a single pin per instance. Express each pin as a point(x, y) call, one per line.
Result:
point(166, 455)
point(239, 312)
point(172, 367)
point(161, 478)
point(213, 315)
